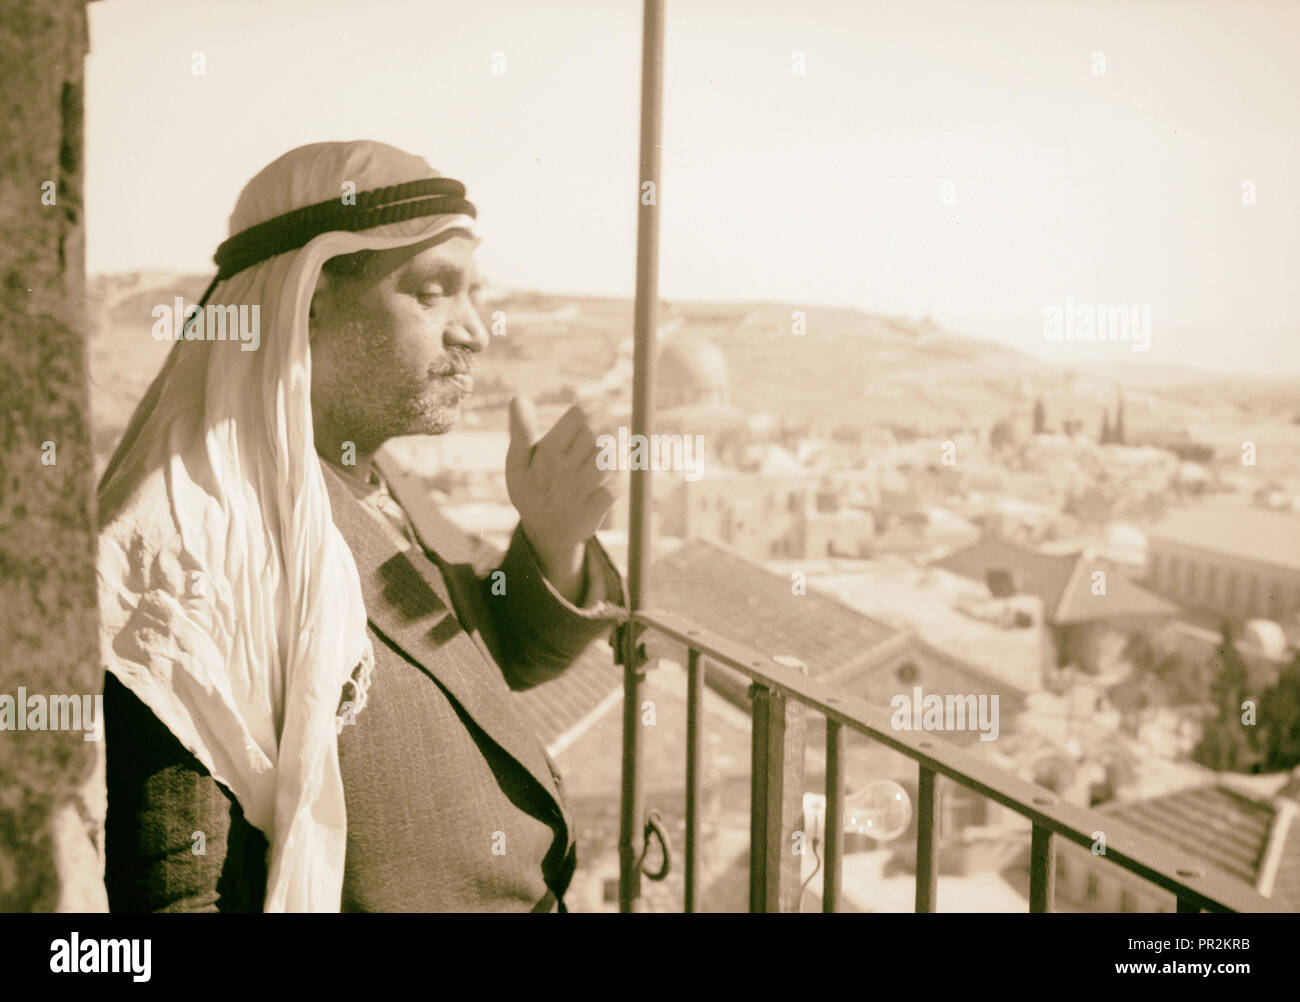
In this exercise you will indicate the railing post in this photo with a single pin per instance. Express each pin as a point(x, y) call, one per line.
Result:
point(831, 875)
point(776, 801)
point(927, 858)
point(694, 722)
point(631, 836)
point(1042, 871)
point(631, 841)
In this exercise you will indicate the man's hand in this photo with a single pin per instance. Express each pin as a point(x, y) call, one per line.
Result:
point(559, 492)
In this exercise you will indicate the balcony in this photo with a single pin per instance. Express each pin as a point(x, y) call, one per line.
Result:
point(781, 696)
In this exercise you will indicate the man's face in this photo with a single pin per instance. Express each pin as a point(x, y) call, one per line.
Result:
point(392, 349)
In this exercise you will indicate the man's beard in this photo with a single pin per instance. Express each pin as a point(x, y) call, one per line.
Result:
point(434, 412)
point(436, 409)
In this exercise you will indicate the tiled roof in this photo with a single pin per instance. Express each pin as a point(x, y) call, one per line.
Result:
point(1213, 824)
point(1269, 537)
point(592, 765)
point(556, 707)
point(1064, 582)
point(1041, 574)
point(1286, 884)
point(1122, 597)
point(739, 599)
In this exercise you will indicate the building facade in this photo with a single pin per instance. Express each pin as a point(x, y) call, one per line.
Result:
point(1238, 563)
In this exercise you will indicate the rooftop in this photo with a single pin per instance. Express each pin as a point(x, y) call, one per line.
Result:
point(746, 603)
point(1063, 582)
point(1041, 574)
point(1122, 597)
point(1270, 537)
point(1225, 829)
point(561, 709)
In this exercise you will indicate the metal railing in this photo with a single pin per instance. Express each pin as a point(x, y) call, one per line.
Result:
point(775, 871)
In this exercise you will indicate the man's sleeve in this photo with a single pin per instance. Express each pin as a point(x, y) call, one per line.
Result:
point(540, 632)
point(162, 807)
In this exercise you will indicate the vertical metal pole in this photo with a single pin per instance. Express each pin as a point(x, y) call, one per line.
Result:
point(831, 875)
point(631, 837)
point(647, 289)
point(927, 858)
point(694, 720)
point(767, 741)
point(775, 800)
point(643, 373)
point(1042, 871)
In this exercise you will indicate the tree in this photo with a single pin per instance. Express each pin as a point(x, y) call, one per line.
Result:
point(1279, 720)
point(1119, 420)
point(1003, 435)
point(1040, 416)
point(1182, 678)
point(1105, 427)
point(1161, 676)
point(1227, 744)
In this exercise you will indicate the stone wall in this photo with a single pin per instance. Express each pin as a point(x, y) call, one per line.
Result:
point(51, 791)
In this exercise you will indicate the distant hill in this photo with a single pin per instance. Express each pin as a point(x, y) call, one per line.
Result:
point(849, 368)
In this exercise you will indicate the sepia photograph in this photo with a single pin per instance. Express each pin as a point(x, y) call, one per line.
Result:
point(654, 457)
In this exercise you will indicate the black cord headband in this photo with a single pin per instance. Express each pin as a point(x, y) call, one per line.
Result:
point(427, 197)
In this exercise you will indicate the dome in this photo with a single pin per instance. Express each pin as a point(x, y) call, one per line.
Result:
point(691, 372)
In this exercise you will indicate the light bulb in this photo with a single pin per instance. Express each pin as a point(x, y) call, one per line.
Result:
point(881, 809)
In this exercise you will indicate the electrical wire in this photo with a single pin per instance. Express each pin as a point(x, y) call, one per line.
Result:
point(816, 869)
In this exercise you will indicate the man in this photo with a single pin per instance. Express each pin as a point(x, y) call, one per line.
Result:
point(308, 703)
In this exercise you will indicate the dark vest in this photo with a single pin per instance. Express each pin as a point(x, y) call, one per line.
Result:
point(452, 802)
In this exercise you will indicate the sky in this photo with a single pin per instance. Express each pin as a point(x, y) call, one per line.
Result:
point(964, 161)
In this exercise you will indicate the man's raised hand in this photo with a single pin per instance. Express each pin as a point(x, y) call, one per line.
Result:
point(555, 485)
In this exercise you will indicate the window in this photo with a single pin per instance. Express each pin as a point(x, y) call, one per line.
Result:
point(1211, 583)
point(1230, 597)
point(907, 673)
point(1001, 582)
point(1252, 594)
point(1094, 886)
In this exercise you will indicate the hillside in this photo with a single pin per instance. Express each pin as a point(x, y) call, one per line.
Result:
point(849, 369)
